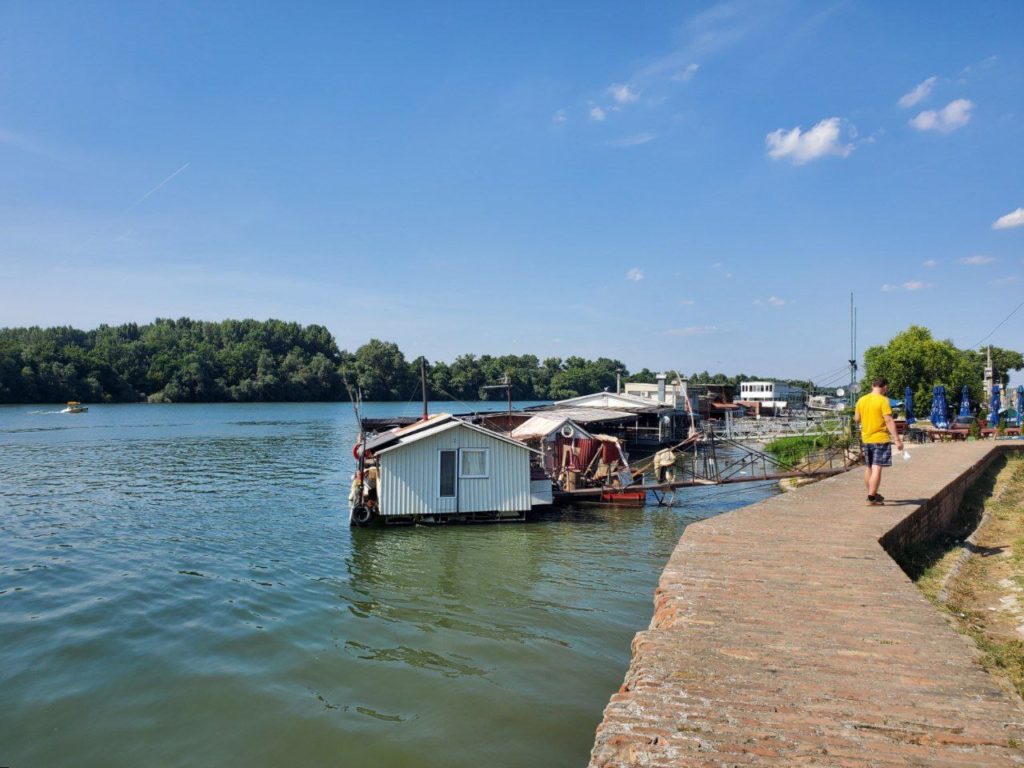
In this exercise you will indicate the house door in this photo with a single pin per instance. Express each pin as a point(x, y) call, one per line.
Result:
point(448, 482)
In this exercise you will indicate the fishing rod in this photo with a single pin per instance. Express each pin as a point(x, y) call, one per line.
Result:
point(356, 399)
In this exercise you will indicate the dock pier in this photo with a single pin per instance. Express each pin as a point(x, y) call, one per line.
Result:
point(785, 633)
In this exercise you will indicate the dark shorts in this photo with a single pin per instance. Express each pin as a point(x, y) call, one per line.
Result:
point(877, 454)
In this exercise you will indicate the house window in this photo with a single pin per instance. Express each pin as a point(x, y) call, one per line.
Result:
point(447, 474)
point(475, 462)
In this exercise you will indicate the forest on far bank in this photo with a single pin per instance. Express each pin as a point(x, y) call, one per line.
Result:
point(192, 361)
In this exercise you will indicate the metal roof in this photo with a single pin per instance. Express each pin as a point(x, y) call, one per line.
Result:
point(542, 425)
point(608, 402)
point(378, 442)
point(427, 429)
point(587, 415)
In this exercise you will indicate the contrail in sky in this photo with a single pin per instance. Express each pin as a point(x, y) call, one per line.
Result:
point(129, 209)
point(156, 188)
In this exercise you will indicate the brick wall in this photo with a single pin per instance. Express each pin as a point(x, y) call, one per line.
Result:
point(938, 515)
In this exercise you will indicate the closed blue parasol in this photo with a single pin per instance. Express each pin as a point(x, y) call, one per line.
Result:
point(993, 411)
point(939, 418)
point(1020, 404)
point(965, 404)
point(908, 401)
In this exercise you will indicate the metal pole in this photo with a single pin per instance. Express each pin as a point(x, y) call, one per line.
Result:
point(423, 385)
point(853, 351)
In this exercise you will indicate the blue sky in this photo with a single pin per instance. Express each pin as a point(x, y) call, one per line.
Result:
point(687, 185)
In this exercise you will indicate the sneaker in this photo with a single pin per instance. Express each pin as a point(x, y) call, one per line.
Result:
point(875, 500)
point(879, 498)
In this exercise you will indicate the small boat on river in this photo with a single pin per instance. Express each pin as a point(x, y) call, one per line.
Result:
point(74, 406)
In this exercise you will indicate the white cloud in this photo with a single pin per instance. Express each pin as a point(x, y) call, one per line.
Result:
point(800, 147)
point(633, 141)
point(560, 116)
point(635, 274)
point(692, 330)
point(687, 74)
point(985, 63)
point(686, 302)
point(775, 301)
point(930, 263)
point(910, 285)
point(727, 275)
point(977, 260)
point(918, 94)
point(24, 143)
point(954, 115)
point(623, 94)
point(598, 114)
point(1008, 280)
point(1010, 220)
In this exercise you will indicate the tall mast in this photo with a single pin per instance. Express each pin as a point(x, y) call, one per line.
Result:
point(853, 349)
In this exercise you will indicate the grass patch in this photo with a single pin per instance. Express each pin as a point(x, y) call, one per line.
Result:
point(930, 561)
point(793, 450)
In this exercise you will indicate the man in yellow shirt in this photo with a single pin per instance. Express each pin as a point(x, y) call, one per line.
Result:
point(874, 414)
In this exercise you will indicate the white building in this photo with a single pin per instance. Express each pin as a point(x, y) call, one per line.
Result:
point(771, 395)
point(673, 395)
point(445, 466)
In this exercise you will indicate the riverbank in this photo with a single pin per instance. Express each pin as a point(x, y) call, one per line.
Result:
point(979, 582)
point(786, 633)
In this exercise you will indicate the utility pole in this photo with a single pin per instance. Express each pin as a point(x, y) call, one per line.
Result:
point(423, 386)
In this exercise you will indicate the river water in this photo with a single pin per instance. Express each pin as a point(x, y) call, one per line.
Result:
point(179, 587)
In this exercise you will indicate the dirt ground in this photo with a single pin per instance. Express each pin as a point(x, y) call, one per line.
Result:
point(980, 581)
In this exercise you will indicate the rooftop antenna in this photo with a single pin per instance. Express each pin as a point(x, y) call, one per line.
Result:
point(506, 384)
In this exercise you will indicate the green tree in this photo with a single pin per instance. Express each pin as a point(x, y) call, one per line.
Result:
point(914, 358)
point(643, 376)
point(381, 371)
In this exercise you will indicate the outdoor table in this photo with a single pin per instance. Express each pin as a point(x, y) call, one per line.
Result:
point(947, 435)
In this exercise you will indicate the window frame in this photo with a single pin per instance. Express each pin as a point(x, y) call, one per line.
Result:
point(487, 464)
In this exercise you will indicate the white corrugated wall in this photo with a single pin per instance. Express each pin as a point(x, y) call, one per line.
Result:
point(409, 477)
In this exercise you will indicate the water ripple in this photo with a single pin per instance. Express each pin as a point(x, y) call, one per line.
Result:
point(180, 581)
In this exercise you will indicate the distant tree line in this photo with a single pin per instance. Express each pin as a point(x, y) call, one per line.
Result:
point(170, 361)
point(191, 361)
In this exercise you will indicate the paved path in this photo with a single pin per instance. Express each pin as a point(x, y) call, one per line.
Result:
point(784, 635)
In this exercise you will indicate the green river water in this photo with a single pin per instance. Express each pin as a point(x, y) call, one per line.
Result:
point(179, 587)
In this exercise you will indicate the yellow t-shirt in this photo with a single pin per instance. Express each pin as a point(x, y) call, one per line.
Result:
point(872, 409)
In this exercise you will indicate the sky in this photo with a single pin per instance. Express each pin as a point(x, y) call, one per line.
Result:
point(683, 186)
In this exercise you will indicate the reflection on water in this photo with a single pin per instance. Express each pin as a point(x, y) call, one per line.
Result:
point(178, 586)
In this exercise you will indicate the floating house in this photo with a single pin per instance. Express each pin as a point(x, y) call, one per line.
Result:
point(443, 468)
point(572, 456)
point(639, 422)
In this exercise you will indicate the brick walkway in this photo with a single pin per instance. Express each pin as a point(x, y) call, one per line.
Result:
point(785, 635)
